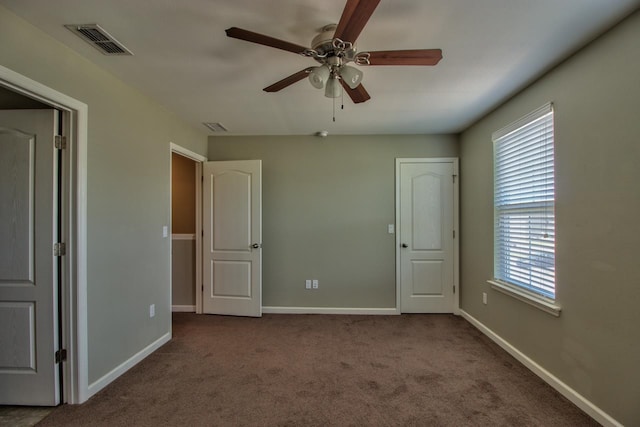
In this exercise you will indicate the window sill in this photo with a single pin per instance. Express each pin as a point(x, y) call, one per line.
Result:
point(527, 297)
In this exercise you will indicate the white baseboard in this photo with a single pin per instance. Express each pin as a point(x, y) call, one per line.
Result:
point(580, 401)
point(183, 308)
point(127, 364)
point(329, 310)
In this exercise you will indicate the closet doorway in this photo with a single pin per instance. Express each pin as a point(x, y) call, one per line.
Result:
point(186, 229)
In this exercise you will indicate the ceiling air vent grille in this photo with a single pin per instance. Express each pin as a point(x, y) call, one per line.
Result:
point(97, 37)
point(215, 127)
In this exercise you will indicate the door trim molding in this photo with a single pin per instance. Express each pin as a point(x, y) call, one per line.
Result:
point(456, 224)
point(74, 315)
point(198, 159)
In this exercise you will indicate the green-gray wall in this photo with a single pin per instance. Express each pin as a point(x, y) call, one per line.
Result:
point(594, 346)
point(128, 260)
point(326, 206)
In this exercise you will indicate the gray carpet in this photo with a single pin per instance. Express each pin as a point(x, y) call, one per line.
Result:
point(325, 370)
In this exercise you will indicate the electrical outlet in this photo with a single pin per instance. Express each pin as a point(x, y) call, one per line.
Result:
point(307, 284)
point(484, 298)
point(152, 310)
point(315, 283)
point(391, 228)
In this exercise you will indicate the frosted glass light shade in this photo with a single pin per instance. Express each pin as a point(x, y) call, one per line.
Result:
point(333, 88)
point(351, 76)
point(318, 76)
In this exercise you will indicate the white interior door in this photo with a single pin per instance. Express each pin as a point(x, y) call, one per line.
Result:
point(426, 235)
point(28, 273)
point(232, 224)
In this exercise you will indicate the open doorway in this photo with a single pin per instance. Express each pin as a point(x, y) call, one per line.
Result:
point(183, 233)
point(186, 230)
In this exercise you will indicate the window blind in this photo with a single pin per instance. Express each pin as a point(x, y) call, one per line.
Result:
point(524, 202)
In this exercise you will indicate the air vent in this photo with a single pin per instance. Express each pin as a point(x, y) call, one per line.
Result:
point(99, 38)
point(215, 127)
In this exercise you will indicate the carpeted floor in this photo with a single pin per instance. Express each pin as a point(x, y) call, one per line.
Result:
point(325, 370)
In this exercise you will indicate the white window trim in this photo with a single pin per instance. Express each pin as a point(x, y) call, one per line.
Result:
point(535, 300)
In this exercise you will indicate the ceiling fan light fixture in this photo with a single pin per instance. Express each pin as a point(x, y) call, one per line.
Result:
point(351, 76)
point(319, 75)
point(333, 48)
point(333, 88)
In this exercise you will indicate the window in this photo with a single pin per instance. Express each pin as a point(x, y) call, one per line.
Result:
point(524, 204)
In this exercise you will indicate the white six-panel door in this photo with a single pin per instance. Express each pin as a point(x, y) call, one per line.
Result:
point(28, 275)
point(232, 242)
point(425, 233)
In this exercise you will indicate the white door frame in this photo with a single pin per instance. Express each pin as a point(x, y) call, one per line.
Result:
point(198, 159)
point(456, 226)
point(74, 295)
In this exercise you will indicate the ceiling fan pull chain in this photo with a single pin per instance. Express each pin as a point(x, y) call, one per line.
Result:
point(334, 109)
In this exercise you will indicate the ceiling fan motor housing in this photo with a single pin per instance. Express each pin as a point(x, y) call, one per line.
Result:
point(323, 44)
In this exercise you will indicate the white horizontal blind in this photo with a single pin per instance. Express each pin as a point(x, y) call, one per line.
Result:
point(524, 202)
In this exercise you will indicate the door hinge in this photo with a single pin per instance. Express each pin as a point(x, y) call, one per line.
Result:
point(454, 234)
point(454, 178)
point(61, 355)
point(202, 288)
point(60, 142)
point(59, 249)
point(454, 289)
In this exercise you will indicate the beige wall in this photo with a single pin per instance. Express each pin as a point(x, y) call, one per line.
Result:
point(183, 195)
point(326, 206)
point(594, 346)
point(128, 189)
point(183, 272)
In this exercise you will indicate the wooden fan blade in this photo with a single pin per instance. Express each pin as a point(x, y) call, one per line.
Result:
point(405, 57)
point(354, 17)
point(357, 95)
point(250, 36)
point(288, 81)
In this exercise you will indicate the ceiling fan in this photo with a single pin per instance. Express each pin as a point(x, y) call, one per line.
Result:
point(334, 48)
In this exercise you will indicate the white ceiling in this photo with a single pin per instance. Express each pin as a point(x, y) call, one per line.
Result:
point(183, 59)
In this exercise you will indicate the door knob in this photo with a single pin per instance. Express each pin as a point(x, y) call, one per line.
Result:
point(256, 245)
point(404, 245)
